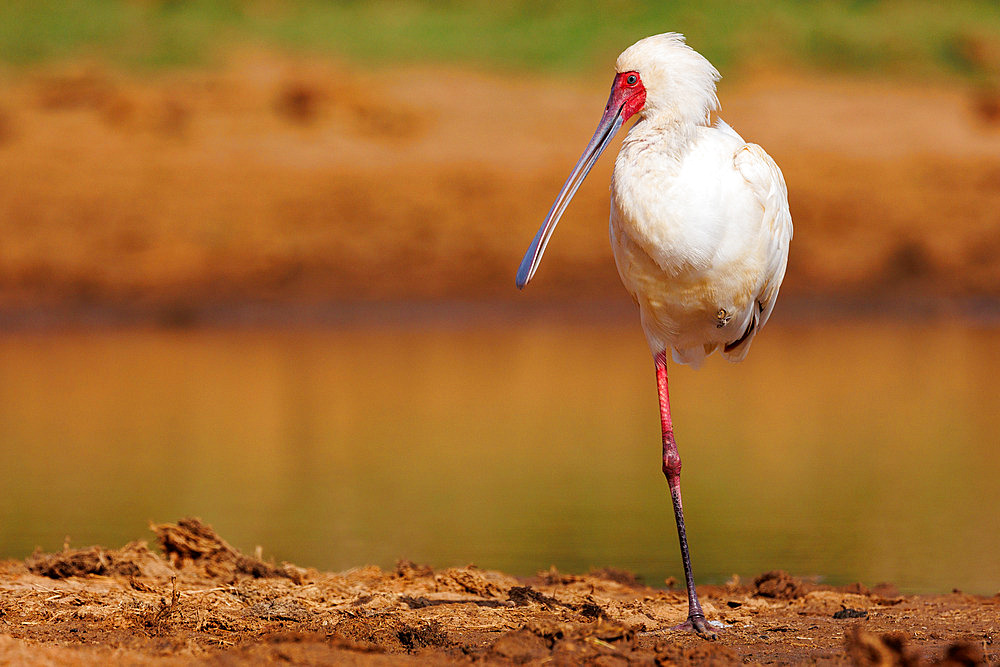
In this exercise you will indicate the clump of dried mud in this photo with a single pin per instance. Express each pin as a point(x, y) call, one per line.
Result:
point(201, 600)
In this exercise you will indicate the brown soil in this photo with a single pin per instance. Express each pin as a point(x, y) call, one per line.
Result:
point(280, 181)
point(203, 601)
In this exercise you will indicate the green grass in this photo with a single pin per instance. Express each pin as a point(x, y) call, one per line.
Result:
point(915, 38)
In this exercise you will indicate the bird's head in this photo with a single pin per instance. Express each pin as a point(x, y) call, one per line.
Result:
point(657, 76)
point(678, 82)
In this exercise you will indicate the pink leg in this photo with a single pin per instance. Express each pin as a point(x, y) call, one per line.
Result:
point(672, 470)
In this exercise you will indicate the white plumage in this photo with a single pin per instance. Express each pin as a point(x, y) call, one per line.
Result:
point(700, 225)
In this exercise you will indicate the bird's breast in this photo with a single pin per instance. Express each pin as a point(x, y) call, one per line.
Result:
point(685, 232)
point(686, 212)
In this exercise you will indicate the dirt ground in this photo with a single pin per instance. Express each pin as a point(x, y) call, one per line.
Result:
point(202, 601)
point(277, 180)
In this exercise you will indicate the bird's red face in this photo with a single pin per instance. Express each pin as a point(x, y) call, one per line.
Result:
point(628, 96)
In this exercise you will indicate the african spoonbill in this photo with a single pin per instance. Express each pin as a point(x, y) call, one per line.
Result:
point(700, 227)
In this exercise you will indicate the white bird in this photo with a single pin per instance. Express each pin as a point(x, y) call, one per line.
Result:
point(700, 226)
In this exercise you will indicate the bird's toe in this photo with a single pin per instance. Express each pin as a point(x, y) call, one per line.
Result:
point(699, 624)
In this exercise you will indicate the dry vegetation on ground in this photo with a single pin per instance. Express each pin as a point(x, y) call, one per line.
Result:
point(203, 601)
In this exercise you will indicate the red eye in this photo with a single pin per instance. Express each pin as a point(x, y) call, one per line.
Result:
point(632, 79)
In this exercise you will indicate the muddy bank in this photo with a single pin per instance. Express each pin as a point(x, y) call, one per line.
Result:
point(198, 599)
point(289, 181)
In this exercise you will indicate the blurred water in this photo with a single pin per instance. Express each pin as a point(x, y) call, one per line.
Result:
point(850, 451)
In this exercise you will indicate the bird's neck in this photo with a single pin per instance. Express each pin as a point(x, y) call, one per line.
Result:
point(666, 135)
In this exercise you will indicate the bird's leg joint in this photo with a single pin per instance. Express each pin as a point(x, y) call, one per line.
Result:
point(671, 457)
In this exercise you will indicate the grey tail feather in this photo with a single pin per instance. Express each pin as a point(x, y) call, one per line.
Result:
point(749, 330)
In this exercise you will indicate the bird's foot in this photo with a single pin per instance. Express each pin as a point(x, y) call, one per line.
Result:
point(698, 623)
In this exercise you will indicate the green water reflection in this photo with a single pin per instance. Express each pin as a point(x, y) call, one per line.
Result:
point(857, 451)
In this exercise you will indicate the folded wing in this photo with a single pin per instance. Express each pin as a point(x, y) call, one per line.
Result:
point(768, 185)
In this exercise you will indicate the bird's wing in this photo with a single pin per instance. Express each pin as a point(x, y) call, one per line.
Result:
point(768, 185)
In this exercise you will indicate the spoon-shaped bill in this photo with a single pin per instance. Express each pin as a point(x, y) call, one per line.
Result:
point(610, 123)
